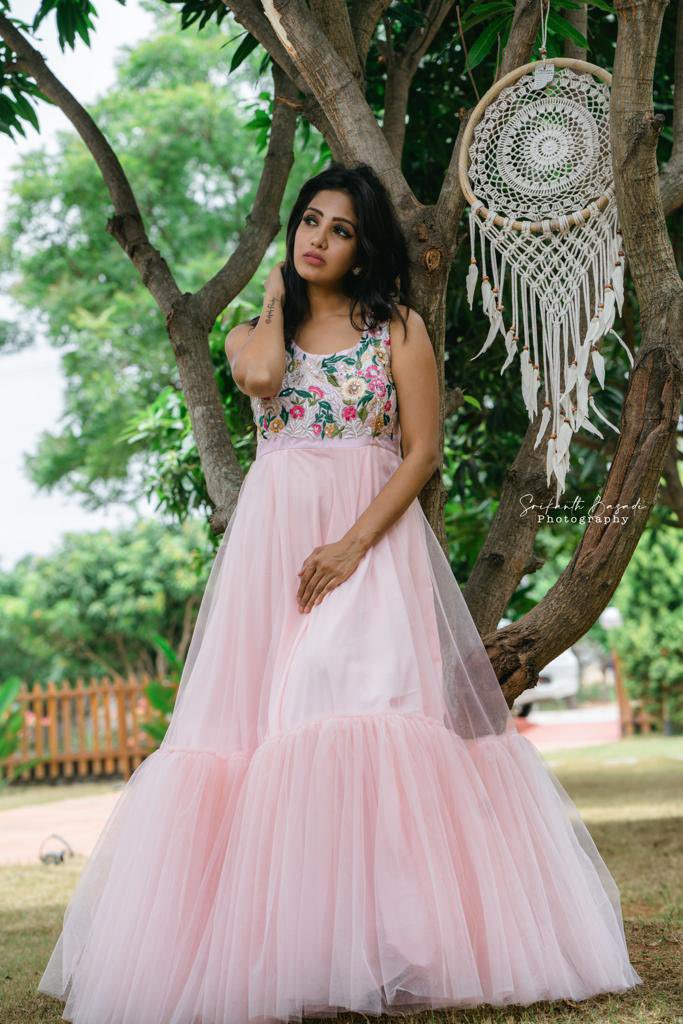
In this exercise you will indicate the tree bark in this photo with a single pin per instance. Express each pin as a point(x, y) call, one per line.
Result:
point(578, 17)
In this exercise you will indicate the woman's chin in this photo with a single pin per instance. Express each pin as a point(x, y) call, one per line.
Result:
point(312, 271)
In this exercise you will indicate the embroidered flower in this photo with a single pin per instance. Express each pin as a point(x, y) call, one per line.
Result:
point(349, 413)
point(296, 412)
point(353, 388)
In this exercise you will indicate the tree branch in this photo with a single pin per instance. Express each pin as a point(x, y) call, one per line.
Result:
point(578, 17)
point(401, 69)
point(263, 223)
point(339, 95)
point(365, 16)
point(187, 319)
point(126, 225)
point(525, 22)
point(334, 19)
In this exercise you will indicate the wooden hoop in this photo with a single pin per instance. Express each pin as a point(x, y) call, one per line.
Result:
point(475, 117)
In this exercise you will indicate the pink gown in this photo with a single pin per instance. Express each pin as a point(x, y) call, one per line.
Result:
point(342, 814)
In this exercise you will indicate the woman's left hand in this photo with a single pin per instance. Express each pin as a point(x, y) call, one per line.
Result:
point(325, 568)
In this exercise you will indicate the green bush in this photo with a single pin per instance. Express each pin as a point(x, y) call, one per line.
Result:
point(650, 643)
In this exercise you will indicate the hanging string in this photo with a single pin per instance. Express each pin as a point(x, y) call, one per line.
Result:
point(545, 14)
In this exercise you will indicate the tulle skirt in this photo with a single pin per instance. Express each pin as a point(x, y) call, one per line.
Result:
point(342, 815)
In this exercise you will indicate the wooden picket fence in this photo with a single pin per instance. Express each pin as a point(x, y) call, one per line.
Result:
point(93, 728)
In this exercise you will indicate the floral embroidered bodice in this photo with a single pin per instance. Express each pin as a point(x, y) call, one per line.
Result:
point(346, 394)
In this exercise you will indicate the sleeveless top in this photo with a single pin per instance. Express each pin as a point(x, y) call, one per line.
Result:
point(346, 398)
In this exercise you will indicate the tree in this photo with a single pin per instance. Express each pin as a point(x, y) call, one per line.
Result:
point(320, 54)
point(96, 604)
point(175, 106)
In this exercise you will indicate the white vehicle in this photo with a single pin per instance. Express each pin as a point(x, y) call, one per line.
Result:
point(560, 679)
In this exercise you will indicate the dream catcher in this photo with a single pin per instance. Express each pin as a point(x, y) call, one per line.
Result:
point(535, 167)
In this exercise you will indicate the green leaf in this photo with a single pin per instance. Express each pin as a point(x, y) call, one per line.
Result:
point(164, 646)
point(157, 730)
point(483, 45)
point(248, 44)
point(482, 12)
point(8, 692)
point(14, 723)
point(565, 30)
point(161, 697)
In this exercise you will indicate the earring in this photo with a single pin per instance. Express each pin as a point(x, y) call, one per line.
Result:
point(356, 270)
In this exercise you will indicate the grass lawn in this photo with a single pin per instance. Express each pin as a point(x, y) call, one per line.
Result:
point(630, 795)
point(24, 794)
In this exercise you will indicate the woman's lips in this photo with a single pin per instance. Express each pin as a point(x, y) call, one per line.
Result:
point(315, 260)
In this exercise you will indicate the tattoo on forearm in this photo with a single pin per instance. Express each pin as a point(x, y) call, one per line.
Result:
point(269, 310)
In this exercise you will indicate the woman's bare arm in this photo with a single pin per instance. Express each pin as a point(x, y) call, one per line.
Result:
point(257, 354)
point(415, 375)
point(414, 370)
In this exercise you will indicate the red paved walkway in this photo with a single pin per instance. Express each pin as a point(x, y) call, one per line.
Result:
point(548, 736)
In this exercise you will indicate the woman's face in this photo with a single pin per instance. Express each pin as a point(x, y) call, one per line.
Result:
point(328, 229)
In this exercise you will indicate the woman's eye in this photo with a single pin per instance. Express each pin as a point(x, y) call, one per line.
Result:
point(310, 219)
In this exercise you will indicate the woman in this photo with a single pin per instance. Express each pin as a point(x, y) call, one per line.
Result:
point(342, 814)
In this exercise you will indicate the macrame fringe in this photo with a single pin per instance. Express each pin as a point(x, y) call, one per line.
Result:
point(566, 354)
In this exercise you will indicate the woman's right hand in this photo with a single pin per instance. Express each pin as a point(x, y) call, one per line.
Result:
point(275, 282)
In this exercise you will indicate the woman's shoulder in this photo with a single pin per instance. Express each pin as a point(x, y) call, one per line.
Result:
point(408, 323)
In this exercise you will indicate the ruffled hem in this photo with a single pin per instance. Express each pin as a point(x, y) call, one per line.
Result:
point(375, 863)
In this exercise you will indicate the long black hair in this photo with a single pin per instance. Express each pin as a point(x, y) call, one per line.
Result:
point(384, 279)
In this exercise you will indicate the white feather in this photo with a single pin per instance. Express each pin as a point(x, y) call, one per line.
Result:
point(545, 419)
point(527, 381)
point(472, 275)
point(485, 295)
point(618, 285)
point(572, 374)
point(490, 337)
point(594, 406)
point(511, 349)
point(549, 460)
point(607, 315)
point(623, 345)
point(599, 367)
point(563, 441)
point(587, 425)
point(582, 397)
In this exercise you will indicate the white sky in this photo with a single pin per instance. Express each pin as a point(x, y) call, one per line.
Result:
point(31, 382)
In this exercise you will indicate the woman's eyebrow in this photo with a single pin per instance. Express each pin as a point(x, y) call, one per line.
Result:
point(316, 210)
